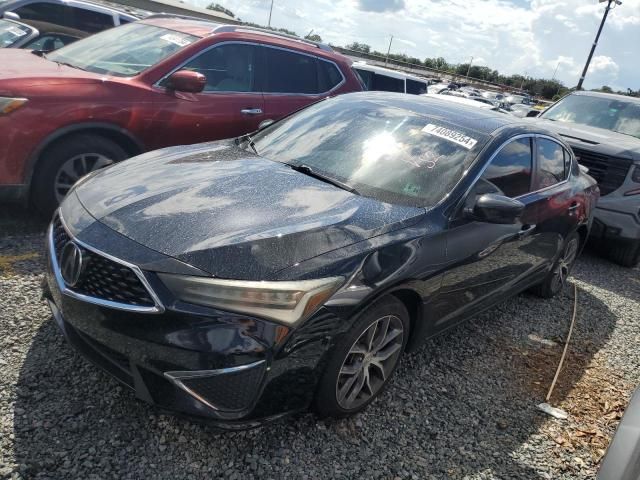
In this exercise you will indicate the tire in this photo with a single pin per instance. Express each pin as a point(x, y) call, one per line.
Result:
point(366, 368)
point(557, 277)
point(65, 162)
point(626, 254)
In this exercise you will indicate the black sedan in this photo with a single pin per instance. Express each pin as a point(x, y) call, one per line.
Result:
point(244, 279)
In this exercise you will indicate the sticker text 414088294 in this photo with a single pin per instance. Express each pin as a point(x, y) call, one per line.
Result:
point(451, 135)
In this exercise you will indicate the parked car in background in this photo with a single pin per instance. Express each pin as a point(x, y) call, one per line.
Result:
point(383, 79)
point(163, 81)
point(86, 16)
point(604, 132)
point(240, 280)
point(515, 99)
point(520, 110)
point(34, 35)
point(469, 102)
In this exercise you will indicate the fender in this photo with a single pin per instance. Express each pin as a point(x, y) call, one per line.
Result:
point(75, 128)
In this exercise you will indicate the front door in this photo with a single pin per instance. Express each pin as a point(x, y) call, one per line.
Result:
point(230, 105)
point(489, 260)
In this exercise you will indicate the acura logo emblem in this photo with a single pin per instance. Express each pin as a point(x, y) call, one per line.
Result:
point(71, 263)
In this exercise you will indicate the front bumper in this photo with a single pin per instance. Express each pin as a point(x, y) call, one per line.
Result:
point(610, 224)
point(233, 370)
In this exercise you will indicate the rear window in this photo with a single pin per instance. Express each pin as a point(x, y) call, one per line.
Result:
point(415, 87)
point(384, 152)
point(387, 84)
point(11, 33)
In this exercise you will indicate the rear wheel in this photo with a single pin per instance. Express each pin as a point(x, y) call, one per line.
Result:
point(626, 254)
point(557, 278)
point(65, 162)
point(363, 361)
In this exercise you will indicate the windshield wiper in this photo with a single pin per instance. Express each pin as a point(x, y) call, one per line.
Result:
point(307, 170)
point(247, 138)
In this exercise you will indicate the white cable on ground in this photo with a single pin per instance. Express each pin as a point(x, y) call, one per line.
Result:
point(545, 407)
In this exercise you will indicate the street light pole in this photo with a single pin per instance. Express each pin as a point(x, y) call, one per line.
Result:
point(388, 51)
point(469, 69)
point(270, 11)
point(595, 43)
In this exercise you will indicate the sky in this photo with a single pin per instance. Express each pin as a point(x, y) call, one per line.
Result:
point(527, 37)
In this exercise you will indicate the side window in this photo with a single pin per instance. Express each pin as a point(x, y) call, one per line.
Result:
point(228, 68)
point(328, 76)
point(551, 163)
point(124, 20)
point(367, 78)
point(289, 72)
point(387, 84)
point(510, 170)
point(49, 42)
point(45, 12)
point(90, 21)
point(416, 88)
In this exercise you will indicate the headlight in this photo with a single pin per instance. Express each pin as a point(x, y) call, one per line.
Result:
point(8, 105)
point(636, 174)
point(285, 302)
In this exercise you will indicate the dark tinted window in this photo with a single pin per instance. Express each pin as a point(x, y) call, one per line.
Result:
point(379, 148)
point(90, 21)
point(124, 20)
point(45, 12)
point(328, 76)
point(50, 41)
point(367, 78)
point(415, 87)
point(228, 68)
point(510, 170)
point(289, 72)
point(551, 166)
point(387, 84)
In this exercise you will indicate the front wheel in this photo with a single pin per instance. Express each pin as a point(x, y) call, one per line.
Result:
point(65, 162)
point(557, 278)
point(364, 359)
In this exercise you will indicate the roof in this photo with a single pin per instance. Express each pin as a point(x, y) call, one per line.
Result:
point(481, 120)
point(387, 71)
point(199, 28)
point(612, 96)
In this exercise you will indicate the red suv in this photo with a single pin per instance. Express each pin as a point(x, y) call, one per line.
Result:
point(150, 84)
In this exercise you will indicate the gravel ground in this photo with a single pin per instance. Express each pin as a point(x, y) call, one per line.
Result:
point(462, 407)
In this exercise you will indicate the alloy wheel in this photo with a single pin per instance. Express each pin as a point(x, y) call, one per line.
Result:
point(370, 362)
point(564, 264)
point(76, 167)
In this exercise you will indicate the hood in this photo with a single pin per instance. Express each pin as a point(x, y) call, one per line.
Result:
point(231, 213)
point(21, 68)
point(594, 139)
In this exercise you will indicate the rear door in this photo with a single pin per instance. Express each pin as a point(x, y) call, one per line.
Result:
point(295, 80)
point(230, 105)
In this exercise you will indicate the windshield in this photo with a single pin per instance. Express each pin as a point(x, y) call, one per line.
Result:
point(11, 33)
point(384, 152)
point(123, 51)
point(613, 114)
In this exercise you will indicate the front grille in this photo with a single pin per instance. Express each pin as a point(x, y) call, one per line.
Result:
point(610, 173)
point(101, 277)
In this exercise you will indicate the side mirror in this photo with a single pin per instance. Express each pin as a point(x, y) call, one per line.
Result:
point(493, 208)
point(186, 81)
point(265, 123)
point(10, 16)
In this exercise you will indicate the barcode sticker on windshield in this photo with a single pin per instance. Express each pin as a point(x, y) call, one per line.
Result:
point(451, 135)
point(16, 31)
point(175, 39)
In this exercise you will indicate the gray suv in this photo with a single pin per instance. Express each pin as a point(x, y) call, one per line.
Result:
point(604, 132)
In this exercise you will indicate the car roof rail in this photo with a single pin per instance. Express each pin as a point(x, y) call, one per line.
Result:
point(264, 31)
point(184, 17)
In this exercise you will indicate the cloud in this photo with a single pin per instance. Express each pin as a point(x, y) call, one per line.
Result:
point(381, 5)
point(602, 62)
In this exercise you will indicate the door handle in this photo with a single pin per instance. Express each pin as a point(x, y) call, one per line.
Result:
point(574, 206)
point(251, 111)
point(526, 230)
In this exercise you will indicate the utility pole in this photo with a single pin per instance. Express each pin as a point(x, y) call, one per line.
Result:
point(388, 51)
point(469, 69)
point(595, 43)
point(554, 72)
point(270, 11)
